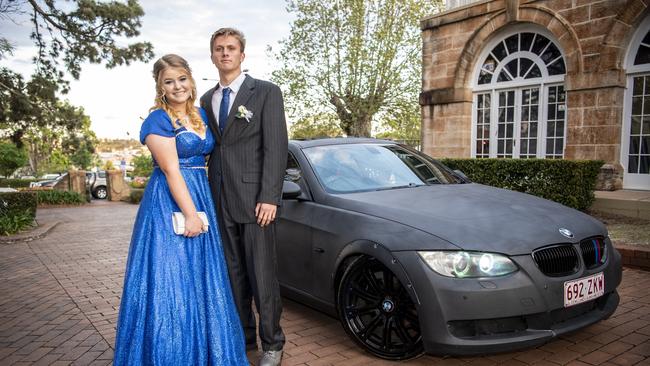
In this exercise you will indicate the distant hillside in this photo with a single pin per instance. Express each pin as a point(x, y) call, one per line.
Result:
point(108, 145)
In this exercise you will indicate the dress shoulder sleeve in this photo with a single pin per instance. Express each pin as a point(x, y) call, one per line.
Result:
point(157, 123)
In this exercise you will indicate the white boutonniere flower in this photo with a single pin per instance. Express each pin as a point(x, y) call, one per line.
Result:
point(244, 113)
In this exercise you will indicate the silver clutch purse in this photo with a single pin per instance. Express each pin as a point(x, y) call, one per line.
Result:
point(178, 221)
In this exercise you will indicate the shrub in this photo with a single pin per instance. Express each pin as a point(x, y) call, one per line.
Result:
point(16, 183)
point(139, 182)
point(54, 197)
point(143, 165)
point(136, 195)
point(15, 222)
point(569, 182)
point(17, 211)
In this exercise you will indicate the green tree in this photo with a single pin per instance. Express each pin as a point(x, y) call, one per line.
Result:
point(402, 123)
point(56, 162)
point(321, 125)
point(78, 31)
point(80, 146)
point(359, 57)
point(34, 105)
point(11, 158)
point(66, 34)
point(143, 165)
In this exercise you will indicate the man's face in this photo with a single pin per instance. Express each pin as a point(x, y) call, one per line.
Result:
point(226, 53)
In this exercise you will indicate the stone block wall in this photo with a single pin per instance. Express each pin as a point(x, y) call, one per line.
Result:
point(594, 36)
point(116, 186)
point(77, 181)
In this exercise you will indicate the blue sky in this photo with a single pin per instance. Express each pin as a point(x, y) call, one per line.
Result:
point(116, 99)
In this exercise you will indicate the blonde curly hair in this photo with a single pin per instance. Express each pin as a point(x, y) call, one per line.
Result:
point(175, 61)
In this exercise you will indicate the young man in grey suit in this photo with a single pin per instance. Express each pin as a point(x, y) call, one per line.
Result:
point(246, 170)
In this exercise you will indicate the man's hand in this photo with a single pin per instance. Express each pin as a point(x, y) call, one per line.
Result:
point(265, 213)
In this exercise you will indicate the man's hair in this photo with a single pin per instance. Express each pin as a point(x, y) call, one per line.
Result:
point(228, 32)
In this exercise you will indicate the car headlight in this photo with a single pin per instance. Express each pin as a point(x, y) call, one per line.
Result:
point(468, 264)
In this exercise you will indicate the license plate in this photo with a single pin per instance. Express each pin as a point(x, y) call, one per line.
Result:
point(584, 289)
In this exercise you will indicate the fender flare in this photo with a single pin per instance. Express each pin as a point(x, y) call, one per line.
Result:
point(379, 252)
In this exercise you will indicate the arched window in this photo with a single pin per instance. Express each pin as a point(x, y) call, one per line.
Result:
point(635, 144)
point(519, 98)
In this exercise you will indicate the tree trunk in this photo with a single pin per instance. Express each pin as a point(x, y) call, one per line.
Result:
point(362, 127)
point(355, 117)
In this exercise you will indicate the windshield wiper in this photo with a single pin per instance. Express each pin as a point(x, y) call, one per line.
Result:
point(410, 185)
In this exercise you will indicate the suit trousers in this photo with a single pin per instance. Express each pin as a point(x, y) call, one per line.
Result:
point(251, 257)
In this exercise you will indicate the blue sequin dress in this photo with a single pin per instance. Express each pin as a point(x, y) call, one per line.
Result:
point(177, 306)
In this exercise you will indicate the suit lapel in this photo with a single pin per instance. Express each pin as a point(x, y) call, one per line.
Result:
point(245, 92)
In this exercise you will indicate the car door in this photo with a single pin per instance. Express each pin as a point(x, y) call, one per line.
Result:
point(294, 234)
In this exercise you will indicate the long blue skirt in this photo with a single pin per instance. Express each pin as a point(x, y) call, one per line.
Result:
point(177, 306)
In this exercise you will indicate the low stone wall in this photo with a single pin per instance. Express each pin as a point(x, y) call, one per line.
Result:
point(635, 256)
point(118, 189)
point(610, 178)
point(77, 181)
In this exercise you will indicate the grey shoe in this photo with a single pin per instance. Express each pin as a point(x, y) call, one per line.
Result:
point(271, 358)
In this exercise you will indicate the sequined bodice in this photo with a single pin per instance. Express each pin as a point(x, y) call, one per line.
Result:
point(191, 148)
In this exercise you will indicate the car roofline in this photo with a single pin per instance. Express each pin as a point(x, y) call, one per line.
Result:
point(338, 141)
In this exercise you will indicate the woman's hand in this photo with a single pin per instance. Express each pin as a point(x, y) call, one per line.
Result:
point(193, 226)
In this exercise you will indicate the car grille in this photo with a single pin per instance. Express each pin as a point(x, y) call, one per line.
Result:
point(559, 260)
point(594, 252)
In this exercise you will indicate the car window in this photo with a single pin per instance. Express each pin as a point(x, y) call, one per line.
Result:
point(367, 167)
point(293, 172)
point(101, 174)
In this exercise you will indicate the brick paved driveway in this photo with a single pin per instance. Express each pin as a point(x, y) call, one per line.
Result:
point(59, 297)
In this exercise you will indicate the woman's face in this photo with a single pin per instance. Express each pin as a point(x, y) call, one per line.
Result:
point(176, 86)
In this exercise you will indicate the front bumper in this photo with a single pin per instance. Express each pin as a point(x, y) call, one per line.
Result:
point(488, 315)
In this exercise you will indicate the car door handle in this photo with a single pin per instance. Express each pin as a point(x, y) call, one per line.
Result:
point(319, 250)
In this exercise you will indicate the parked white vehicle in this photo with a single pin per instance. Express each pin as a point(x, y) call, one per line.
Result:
point(96, 181)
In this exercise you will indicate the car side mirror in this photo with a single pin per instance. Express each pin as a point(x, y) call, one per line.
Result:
point(290, 190)
point(292, 174)
point(462, 175)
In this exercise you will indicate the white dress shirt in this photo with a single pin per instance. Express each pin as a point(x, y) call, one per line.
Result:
point(234, 89)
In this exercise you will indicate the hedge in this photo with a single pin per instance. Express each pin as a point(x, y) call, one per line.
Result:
point(55, 197)
point(17, 211)
point(16, 183)
point(569, 182)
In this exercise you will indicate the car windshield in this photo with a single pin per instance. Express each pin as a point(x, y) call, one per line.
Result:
point(371, 167)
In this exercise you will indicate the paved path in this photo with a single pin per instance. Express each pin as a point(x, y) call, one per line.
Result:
point(59, 297)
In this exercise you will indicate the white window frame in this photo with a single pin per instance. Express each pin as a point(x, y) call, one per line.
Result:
point(544, 82)
point(632, 180)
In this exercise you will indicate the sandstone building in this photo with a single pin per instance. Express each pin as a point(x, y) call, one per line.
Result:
point(546, 79)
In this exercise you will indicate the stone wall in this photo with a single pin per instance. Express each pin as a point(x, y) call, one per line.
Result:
point(77, 180)
point(594, 36)
point(116, 186)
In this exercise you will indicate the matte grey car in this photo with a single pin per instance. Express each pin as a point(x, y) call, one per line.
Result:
point(413, 257)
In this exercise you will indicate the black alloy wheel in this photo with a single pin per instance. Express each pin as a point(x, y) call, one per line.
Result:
point(377, 311)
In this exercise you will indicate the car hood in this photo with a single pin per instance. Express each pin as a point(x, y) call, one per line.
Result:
point(475, 217)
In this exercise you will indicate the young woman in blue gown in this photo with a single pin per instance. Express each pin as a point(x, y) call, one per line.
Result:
point(177, 306)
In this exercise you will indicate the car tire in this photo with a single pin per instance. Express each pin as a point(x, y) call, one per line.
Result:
point(100, 192)
point(377, 312)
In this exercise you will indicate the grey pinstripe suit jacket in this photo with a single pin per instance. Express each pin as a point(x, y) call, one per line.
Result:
point(248, 162)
